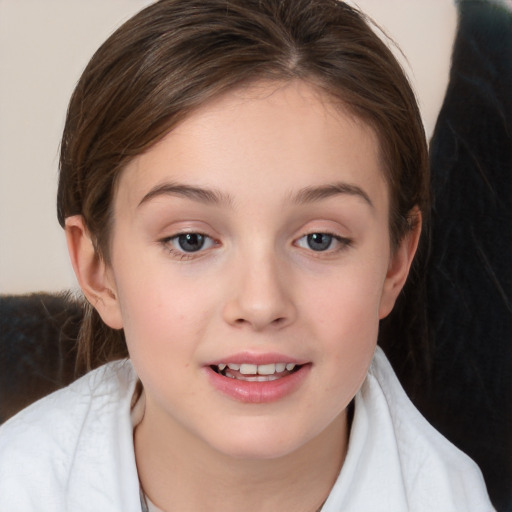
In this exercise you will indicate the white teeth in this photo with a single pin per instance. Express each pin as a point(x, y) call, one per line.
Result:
point(258, 378)
point(248, 369)
point(253, 369)
point(266, 369)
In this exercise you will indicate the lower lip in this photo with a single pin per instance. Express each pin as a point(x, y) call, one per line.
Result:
point(258, 392)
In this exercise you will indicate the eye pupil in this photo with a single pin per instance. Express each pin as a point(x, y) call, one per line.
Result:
point(319, 241)
point(191, 242)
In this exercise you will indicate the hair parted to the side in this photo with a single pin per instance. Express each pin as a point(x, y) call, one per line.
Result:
point(176, 55)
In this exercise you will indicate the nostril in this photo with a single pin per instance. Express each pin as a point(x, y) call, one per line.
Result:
point(276, 321)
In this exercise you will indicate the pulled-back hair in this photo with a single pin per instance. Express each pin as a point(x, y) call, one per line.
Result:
point(176, 55)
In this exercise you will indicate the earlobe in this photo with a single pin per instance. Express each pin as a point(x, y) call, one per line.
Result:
point(399, 266)
point(92, 273)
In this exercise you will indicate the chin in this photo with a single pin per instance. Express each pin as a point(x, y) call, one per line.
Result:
point(258, 444)
point(257, 452)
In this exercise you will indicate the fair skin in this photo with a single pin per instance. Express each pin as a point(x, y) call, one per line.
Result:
point(294, 266)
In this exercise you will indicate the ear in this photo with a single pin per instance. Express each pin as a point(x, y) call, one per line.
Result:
point(399, 266)
point(93, 274)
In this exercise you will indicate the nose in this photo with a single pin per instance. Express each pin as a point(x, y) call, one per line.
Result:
point(260, 295)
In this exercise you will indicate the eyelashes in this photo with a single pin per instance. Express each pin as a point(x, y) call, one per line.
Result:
point(191, 242)
point(323, 242)
point(186, 245)
point(190, 245)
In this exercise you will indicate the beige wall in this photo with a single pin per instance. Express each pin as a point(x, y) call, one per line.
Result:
point(44, 45)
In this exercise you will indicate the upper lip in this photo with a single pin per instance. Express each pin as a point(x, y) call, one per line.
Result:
point(257, 359)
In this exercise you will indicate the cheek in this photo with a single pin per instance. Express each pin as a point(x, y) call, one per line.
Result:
point(348, 303)
point(160, 309)
point(160, 331)
point(345, 318)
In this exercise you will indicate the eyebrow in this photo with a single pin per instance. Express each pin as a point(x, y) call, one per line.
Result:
point(200, 194)
point(311, 194)
point(216, 197)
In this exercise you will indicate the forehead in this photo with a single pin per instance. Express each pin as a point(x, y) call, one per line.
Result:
point(289, 135)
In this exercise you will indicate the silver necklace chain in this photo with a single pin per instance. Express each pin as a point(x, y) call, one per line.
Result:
point(145, 507)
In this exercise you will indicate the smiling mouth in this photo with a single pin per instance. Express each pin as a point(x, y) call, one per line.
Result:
point(256, 373)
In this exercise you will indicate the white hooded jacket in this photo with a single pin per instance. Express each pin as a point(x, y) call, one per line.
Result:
point(73, 451)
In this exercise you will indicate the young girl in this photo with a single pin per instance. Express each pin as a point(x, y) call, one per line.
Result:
point(243, 187)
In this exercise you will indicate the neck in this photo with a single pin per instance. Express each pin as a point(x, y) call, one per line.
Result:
point(179, 473)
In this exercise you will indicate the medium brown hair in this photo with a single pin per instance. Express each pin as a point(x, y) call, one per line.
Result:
point(175, 55)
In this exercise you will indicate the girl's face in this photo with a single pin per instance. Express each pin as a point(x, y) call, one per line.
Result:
point(250, 265)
